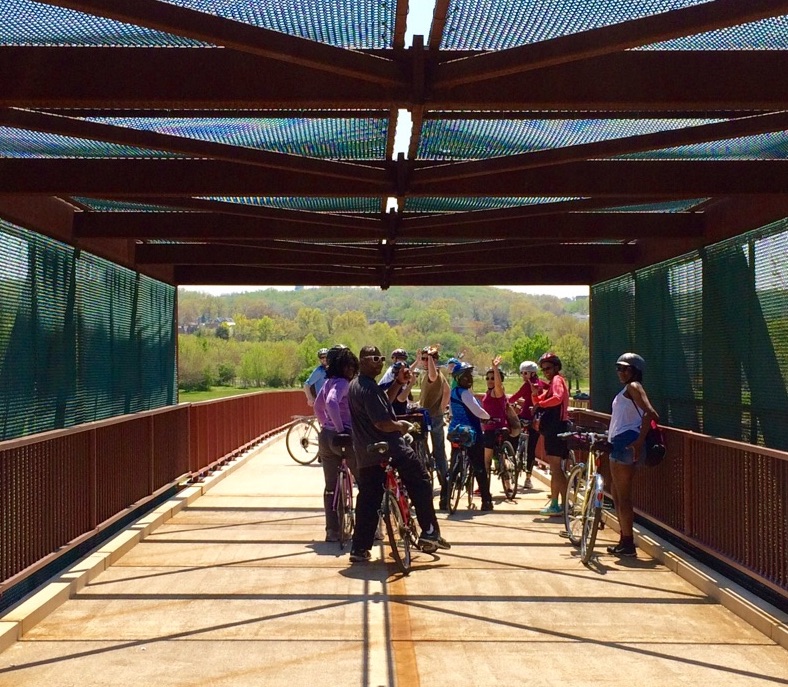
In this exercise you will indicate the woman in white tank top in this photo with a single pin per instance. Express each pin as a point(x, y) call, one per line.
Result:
point(630, 420)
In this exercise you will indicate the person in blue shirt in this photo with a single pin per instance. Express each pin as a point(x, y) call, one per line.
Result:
point(316, 380)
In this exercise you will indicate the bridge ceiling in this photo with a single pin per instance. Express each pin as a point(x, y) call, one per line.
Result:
point(240, 142)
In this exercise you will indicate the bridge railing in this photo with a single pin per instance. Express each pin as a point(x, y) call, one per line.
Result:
point(59, 488)
point(726, 498)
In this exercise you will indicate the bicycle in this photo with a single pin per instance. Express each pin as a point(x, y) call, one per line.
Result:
point(343, 493)
point(422, 426)
point(503, 459)
point(301, 439)
point(396, 511)
point(585, 494)
point(461, 472)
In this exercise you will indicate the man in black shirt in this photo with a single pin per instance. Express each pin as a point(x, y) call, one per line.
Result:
point(373, 421)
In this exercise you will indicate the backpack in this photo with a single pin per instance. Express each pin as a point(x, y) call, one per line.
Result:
point(654, 442)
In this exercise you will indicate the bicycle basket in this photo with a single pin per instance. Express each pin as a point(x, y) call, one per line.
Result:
point(463, 435)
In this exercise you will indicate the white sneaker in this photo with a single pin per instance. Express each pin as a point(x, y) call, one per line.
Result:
point(528, 483)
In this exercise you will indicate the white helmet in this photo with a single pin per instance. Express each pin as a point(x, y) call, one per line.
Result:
point(528, 366)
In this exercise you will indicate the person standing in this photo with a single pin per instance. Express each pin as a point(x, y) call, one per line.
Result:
point(316, 380)
point(630, 421)
point(434, 397)
point(373, 421)
point(333, 414)
point(554, 404)
point(523, 400)
point(494, 402)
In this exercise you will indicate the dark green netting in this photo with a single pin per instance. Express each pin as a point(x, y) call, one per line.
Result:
point(20, 143)
point(769, 146)
point(475, 139)
point(81, 339)
point(344, 23)
point(434, 204)
point(713, 328)
point(500, 24)
point(342, 138)
point(309, 204)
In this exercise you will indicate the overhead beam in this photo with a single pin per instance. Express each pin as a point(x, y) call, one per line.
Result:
point(151, 78)
point(123, 135)
point(246, 38)
point(269, 254)
point(605, 40)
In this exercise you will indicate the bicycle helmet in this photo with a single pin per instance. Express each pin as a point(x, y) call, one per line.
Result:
point(528, 366)
point(550, 357)
point(460, 369)
point(399, 353)
point(633, 360)
point(322, 352)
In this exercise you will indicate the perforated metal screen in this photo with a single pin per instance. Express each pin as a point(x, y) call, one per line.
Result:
point(713, 328)
point(81, 339)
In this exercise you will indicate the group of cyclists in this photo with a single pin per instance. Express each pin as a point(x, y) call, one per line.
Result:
point(348, 399)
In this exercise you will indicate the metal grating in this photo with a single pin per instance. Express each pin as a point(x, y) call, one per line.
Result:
point(429, 204)
point(767, 34)
point(473, 139)
point(315, 204)
point(770, 146)
point(669, 206)
point(336, 138)
point(100, 205)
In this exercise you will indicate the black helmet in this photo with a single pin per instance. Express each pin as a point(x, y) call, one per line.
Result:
point(550, 357)
point(399, 353)
point(633, 360)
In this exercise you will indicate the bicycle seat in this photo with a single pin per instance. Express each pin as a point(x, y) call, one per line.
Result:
point(342, 440)
point(381, 447)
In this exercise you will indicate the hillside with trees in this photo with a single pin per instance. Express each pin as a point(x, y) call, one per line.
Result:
point(270, 338)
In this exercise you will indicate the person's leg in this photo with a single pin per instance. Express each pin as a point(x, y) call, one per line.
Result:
point(622, 496)
point(439, 455)
point(476, 455)
point(370, 493)
point(416, 480)
point(530, 453)
point(330, 463)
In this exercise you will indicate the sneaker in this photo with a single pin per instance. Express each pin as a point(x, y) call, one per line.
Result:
point(379, 534)
point(626, 550)
point(360, 556)
point(552, 509)
point(432, 542)
point(332, 535)
point(528, 483)
point(487, 505)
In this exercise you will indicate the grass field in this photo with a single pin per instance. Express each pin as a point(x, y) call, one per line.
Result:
point(216, 392)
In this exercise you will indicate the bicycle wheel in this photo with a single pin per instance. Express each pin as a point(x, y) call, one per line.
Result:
point(569, 462)
point(506, 463)
point(345, 513)
point(301, 440)
point(399, 540)
point(591, 517)
point(469, 481)
point(456, 482)
point(519, 463)
point(574, 500)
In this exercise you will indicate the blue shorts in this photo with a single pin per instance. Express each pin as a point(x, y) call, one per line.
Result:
point(621, 453)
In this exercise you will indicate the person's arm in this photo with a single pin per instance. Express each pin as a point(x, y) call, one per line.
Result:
point(445, 396)
point(558, 388)
point(333, 404)
point(472, 403)
point(637, 393)
point(432, 369)
point(388, 426)
point(497, 391)
point(309, 387)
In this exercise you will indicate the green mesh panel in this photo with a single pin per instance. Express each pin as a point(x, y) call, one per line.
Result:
point(100, 205)
point(713, 328)
point(429, 204)
point(81, 339)
point(770, 146)
point(667, 206)
point(477, 139)
point(309, 204)
point(336, 138)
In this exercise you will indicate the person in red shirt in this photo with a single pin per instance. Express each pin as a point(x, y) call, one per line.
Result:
point(523, 401)
point(551, 407)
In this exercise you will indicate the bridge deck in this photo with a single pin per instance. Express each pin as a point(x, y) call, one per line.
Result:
point(239, 589)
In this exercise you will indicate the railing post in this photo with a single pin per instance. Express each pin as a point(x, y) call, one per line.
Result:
point(687, 484)
point(93, 487)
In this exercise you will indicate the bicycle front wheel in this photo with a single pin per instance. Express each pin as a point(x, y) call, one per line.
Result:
point(345, 513)
point(591, 518)
point(396, 529)
point(301, 440)
point(456, 482)
point(506, 460)
point(519, 463)
point(574, 500)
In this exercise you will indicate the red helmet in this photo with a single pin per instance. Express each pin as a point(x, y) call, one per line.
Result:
point(550, 358)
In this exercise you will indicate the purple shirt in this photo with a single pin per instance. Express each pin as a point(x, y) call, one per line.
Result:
point(331, 405)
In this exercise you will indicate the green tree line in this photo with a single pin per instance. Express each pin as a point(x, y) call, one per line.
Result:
point(275, 335)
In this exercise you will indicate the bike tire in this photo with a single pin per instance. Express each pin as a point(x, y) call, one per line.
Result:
point(396, 530)
point(591, 520)
point(456, 483)
point(469, 476)
point(302, 440)
point(345, 513)
point(506, 462)
point(574, 499)
point(519, 463)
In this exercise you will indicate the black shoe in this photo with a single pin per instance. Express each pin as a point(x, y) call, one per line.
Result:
point(487, 505)
point(332, 535)
point(360, 556)
point(626, 550)
point(443, 505)
point(432, 542)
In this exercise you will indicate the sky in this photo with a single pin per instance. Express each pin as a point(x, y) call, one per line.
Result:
point(419, 20)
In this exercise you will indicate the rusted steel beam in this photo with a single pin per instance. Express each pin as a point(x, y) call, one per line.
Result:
point(605, 40)
point(123, 135)
point(254, 40)
point(266, 254)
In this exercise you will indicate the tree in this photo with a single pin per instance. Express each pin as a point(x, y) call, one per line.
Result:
point(311, 321)
point(574, 358)
point(529, 348)
point(223, 331)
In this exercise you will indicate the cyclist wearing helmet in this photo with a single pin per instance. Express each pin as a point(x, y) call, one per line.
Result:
point(630, 421)
point(399, 357)
point(333, 413)
point(554, 404)
point(494, 402)
point(523, 399)
point(466, 410)
point(316, 380)
point(434, 397)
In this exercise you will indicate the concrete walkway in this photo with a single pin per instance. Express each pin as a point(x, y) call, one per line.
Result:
point(238, 589)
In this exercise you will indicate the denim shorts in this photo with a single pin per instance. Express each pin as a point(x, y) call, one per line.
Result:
point(621, 453)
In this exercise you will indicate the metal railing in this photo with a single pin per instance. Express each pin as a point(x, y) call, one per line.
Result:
point(726, 498)
point(59, 488)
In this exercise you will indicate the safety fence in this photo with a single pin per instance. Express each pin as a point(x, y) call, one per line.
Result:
point(59, 488)
point(726, 498)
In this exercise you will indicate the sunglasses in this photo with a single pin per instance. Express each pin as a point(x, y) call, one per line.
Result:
point(374, 358)
point(545, 368)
